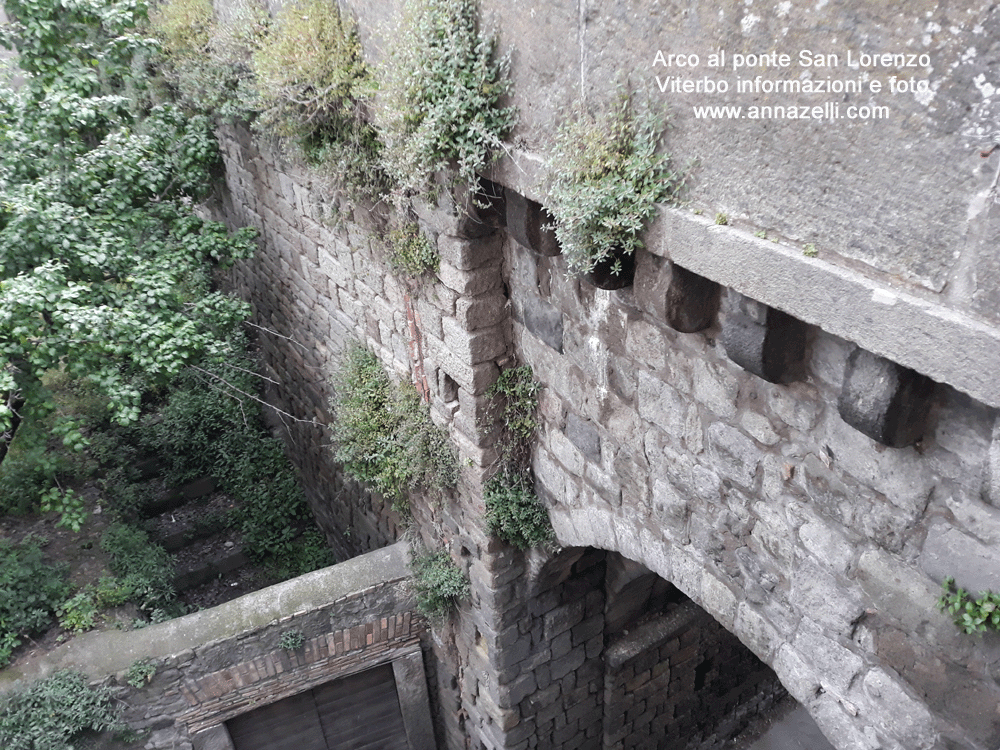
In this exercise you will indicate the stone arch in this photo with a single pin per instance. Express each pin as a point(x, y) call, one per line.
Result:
point(601, 527)
point(634, 662)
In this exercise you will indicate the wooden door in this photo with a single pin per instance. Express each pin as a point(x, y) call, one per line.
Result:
point(359, 712)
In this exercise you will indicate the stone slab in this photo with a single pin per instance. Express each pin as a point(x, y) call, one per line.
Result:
point(943, 343)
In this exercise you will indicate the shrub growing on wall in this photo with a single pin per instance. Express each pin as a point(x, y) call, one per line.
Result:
point(607, 180)
point(205, 62)
point(383, 434)
point(440, 91)
point(513, 511)
point(439, 583)
point(313, 87)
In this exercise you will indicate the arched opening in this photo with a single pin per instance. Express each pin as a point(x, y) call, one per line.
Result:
point(635, 663)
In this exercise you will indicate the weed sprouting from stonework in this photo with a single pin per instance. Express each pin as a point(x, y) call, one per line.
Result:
point(513, 511)
point(439, 583)
point(971, 614)
point(383, 434)
point(411, 252)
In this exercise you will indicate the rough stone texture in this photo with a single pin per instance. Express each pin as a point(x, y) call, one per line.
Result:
point(885, 401)
point(545, 321)
point(755, 499)
point(529, 223)
point(763, 340)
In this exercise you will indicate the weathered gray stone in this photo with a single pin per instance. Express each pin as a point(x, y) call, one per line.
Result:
point(948, 552)
point(759, 427)
point(912, 599)
point(944, 344)
point(827, 544)
point(584, 435)
point(213, 738)
point(660, 404)
point(897, 709)
point(467, 255)
point(798, 676)
point(764, 340)
point(735, 454)
point(544, 320)
point(715, 387)
point(992, 489)
point(885, 401)
point(718, 600)
point(530, 224)
point(645, 342)
point(825, 598)
point(756, 632)
point(473, 283)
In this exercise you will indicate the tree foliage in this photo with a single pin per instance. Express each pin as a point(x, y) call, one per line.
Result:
point(105, 271)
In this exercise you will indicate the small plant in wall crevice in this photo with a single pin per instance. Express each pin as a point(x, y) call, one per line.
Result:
point(513, 511)
point(292, 640)
point(383, 434)
point(438, 581)
point(411, 252)
point(971, 614)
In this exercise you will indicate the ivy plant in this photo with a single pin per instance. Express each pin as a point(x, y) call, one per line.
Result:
point(607, 177)
point(440, 100)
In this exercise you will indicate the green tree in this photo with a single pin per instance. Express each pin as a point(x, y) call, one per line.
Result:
point(105, 271)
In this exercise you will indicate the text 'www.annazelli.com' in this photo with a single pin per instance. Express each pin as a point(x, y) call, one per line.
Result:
point(827, 111)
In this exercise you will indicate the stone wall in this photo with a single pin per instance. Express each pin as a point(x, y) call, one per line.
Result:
point(804, 446)
point(216, 664)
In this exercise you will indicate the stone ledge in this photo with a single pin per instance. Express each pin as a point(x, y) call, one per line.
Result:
point(98, 654)
point(945, 344)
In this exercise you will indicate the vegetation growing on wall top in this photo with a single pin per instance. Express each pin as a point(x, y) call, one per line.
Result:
point(607, 179)
point(440, 92)
point(205, 62)
point(383, 434)
point(314, 87)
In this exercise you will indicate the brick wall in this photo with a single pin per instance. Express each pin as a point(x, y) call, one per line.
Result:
point(680, 681)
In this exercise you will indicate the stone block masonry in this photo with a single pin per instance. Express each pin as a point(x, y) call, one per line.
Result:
point(755, 498)
point(714, 422)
